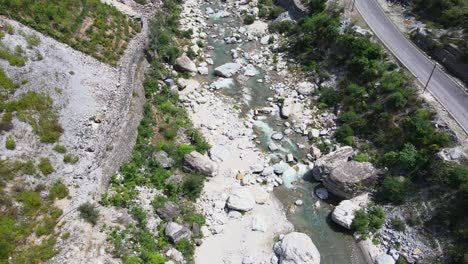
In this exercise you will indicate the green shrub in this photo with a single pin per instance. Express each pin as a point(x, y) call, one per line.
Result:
point(31, 202)
point(36, 253)
point(89, 213)
point(19, 50)
point(394, 189)
point(46, 227)
point(139, 215)
point(398, 224)
point(329, 96)
point(361, 222)
point(28, 168)
point(65, 236)
point(33, 40)
point(376, 218)
point(282, 27)
point(401, 260)
point(187, 33)
point(9, 29)
point(10, 143)
point(343, 133)
point(362, 157)
point(68, 158)
point(159, 201)
point(45, 166)
point(192, 186)
point(370, 221)
point(186, 247)
point(59, 191)
point(275, 11)
point(405, 160)
point(249, 19)
point(5, 123)
point(60, 149)
point(192, 217)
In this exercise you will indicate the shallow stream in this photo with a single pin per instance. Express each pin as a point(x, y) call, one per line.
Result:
point(334, 243)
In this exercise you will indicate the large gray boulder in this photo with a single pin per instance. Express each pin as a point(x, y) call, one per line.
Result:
point(163, 159)
point(296, 248)
point(241, 200)
point(384, 259)
point(169, 211)
point(452, 154)
point(176, 232)
point(305, 88)
point(347, 179)
point(195, 161)
point(184, 63)
point(342, 176)
point(227, 70)
point(287, 107)
point(325, 164)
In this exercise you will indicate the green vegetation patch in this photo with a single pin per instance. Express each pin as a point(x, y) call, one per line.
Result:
point(89, 213)
point(368, 221)
point(86, 25)
point(164, 127)
point(38, 111)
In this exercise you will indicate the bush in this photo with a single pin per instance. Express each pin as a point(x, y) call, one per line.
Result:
point(405, 160)
point(28, 167)
point(275, 11)
point(158, 202)
point(31, 202)
point(343, 133)
point(10, 143)
point(45, 167)
point(68, 158)
point(139, 215)
point(46, 227)
point(398, 224)
point(89, 213)
point(362, 157)
point(394, 189)
point(60, 149)
point(376, 218)
point(186, 247)
point(361, 222)
point(33, 40)
point(282, 27)
point(249, 19)
point(192, 186)
point(370, 221)
point(59, 191)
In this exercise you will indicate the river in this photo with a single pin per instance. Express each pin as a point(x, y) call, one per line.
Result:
point(335, 244)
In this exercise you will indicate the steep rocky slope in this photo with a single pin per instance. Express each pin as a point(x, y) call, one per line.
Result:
point(98, 107)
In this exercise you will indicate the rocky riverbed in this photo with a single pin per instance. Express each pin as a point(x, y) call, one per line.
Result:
point(260, 119)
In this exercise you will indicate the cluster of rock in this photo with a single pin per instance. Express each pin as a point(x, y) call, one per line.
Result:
point(343, 176)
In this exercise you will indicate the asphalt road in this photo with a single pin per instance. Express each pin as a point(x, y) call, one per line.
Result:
point(444, 88)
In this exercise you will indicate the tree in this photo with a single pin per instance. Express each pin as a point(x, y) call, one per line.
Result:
point(317, 6)
point(394, 189)
point(343, 133)
point(402, 161)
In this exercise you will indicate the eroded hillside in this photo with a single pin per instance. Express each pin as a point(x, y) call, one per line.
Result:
point(68, 119)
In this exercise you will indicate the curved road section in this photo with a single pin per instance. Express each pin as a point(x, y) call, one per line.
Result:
point(448, 92)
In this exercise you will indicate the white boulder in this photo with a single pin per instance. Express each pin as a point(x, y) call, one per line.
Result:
point(296, 248)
